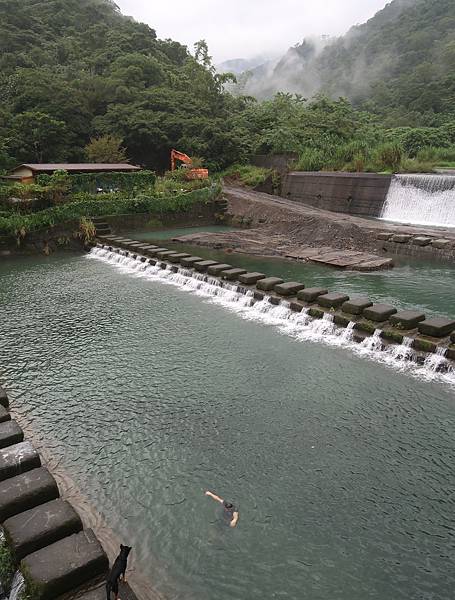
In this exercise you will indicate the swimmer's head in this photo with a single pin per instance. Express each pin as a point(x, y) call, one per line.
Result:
point(228, 506)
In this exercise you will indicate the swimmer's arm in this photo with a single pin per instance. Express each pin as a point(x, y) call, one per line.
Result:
point(214, 496)
point(235, 518)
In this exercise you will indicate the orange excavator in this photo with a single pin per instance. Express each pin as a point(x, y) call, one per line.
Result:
point(191, 173)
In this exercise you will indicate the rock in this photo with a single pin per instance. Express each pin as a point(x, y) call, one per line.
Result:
point(232, 274)
point(275, 300)
point(379, 312)
point(268, 283)
point(289, 288)
point(165, 254)
point(332, 300)
point(441, 244)
point(3, 398)
point(407, 319)
point(310, 294)
point(155, 251)
point(65, 565)
point(251, 278)
point(38, 527)
point(203, 265)
point(401, 238)
point(378, 264)
point(217, 269)
point(296, 306)
point(383, 236)
point(190, 261)
point(4, 414)
point(257, 295)
point(174, 258)
point(421, 241)
point(18, 459)
point(26, 491)
point(452, 338)
point(10, 433)
point(437, 327)
point(356, 306)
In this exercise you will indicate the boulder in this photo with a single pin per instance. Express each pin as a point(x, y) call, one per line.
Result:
point(251, 278)
point(356, 306)
point(407, 319)
point(26, 491)
point(18, 459)
point(65, 565)
point(332, 300)
point(217, 269)
point(40, 526)
point(289, 288)
point(232, 274)
point(379, 312)
point(10, 433)
point(310, 294)
point(437, 327)
point(268, 283)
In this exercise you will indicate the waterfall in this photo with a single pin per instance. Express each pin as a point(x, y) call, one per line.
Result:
point(434, 362)
point(421, 200)
point(298, 325)
point(17, 587)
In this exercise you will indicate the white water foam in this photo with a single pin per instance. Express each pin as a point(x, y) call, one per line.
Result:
point(17, 586)
point(421, 200)
point(299, 326)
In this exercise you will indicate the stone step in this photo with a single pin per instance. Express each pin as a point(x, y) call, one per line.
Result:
point(26, 491)
point(38, 527)
point(18, 459)
point(64, 565)
point(10, 433)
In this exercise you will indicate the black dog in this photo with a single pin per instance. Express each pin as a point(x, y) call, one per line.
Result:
point(118, 570)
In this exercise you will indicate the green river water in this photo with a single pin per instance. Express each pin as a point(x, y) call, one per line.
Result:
point(342, 468)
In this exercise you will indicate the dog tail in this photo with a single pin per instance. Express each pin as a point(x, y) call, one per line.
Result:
point(108, 589)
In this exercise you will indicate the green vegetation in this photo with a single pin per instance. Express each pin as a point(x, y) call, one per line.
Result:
point(7, 565)
point(248, 175)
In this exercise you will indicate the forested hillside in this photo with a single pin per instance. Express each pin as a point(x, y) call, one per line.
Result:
point(74, 69)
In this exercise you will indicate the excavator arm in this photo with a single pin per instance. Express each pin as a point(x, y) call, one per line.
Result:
point(176, 155)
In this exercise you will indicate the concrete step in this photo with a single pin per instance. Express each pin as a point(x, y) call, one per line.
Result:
point(65, 565)
point(26, 491)
point(18, 459)
point(10, 433)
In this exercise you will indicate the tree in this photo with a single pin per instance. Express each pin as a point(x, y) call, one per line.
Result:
point(106, 149)
point(38, 137)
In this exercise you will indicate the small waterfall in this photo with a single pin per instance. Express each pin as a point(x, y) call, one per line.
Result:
point(347, 334)
point(17, 587)
point(404, 351)
point(324, 326)
point(434, 362)
point(421, 200)
point(373, 342)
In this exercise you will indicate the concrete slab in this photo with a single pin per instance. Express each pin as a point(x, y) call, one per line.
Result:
point(26, 491)
point(65, 565)
point(155, 251)
point(437, 327)
point(268, 283)
point(251, 278)
point(165, 254)
point(421, 240)
point(310, 294)
point(379, 312)
point(407, 319)
point(356, 306)
point(10, 433)
point(203, 265)
point(4, 398)
point(218, 269)
point(4, 414)
point(232, 274)
point(18, 459)
point(190, 261)
point(38, 527)
point(175, 258)
point(289, 288)
point(332, 300)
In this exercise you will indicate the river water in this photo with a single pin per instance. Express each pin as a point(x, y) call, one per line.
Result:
point(342, 468)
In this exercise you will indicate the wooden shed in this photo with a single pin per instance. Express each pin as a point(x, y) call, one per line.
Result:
point(26, 173)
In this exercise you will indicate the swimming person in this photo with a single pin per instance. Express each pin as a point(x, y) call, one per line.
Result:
point(230, 512)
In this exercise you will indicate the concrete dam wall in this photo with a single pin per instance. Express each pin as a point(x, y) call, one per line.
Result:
point(361, 194)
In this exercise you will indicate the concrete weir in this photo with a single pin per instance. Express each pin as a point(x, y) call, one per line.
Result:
point(309, 313)
point(43, 533)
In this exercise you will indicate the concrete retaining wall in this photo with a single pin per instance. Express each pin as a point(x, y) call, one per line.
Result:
point(353, 193)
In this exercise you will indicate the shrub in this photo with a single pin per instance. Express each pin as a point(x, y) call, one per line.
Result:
point(248, 175)
point(388, 156)
point(311, 160)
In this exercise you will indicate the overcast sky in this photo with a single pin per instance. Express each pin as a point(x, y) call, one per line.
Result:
point(248, 28)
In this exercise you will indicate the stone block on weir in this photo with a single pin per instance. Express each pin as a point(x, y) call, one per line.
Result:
point(232, 274)
point(251, 278)
point(65, 565)
point(10, 433)
point(441, 244)
point(26, 491)
point(40, 526)
point(203, 265)
point(165, 254)
point(218, 269)
point(190, 261)
point(289, 288)
point(332, 300)
point(384, 236)
point(18, 459)
point(356, 306)
point(379, 312)
point(311, 294)
point(401, 238)
point(421, 240)
point(175, 258)
point(155, 251)
point(437, 327)
point(268, 283)
point(4, 414)
point(407, 319)
point(3, 398)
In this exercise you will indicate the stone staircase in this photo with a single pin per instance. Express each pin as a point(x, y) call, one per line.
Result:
point(102, 228)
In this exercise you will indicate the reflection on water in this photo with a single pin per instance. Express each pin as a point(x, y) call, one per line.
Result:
point(342, 469)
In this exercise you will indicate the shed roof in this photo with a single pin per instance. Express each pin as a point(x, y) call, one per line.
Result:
point(79, 167)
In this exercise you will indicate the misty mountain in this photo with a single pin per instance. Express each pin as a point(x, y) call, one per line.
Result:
point(240, 65)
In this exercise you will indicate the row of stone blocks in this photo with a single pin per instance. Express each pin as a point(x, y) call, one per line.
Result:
point(44, 532)
point(415, 240)
point(379, 314)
